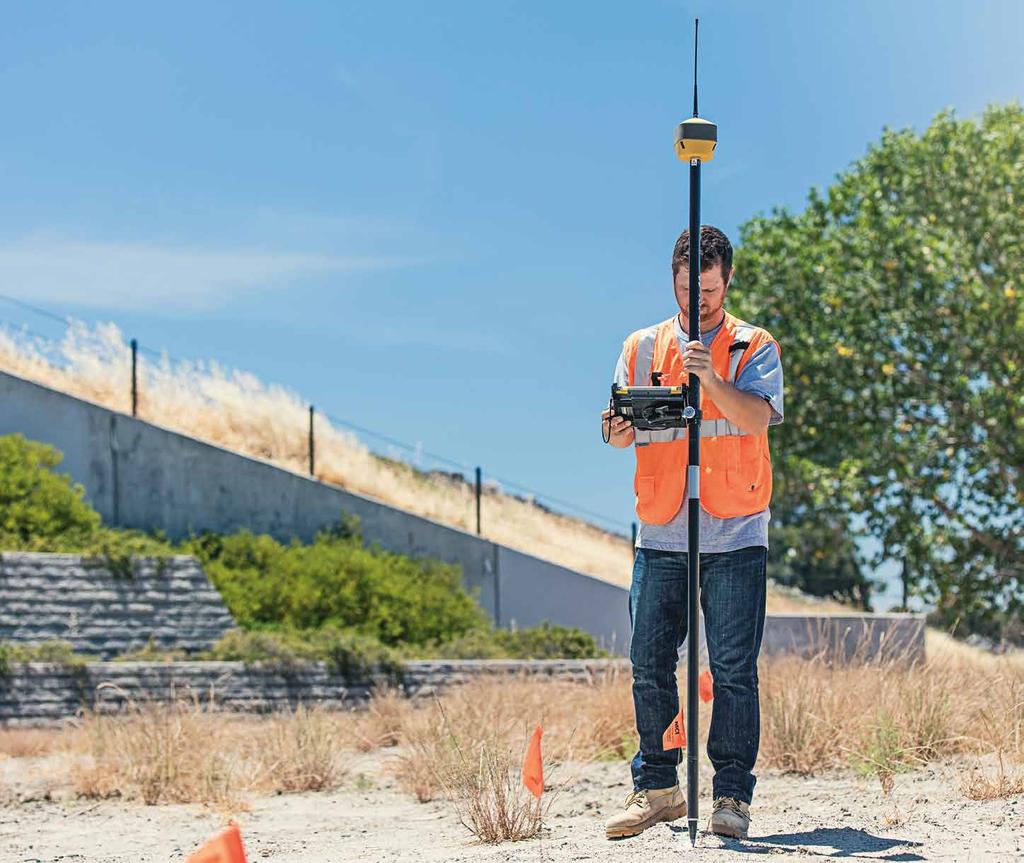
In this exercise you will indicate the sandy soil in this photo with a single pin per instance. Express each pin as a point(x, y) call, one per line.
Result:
point(838, 815)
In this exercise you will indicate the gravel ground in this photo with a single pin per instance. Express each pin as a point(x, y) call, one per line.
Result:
point(836, 816)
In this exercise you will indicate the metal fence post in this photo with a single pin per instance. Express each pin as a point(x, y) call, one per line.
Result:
point(479, 489)
point(135, 377)
point(312, 471)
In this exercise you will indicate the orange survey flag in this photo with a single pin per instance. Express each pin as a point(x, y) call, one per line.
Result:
point(675, 735)
point(533, 766)
point(706, 686)
point(224, 847)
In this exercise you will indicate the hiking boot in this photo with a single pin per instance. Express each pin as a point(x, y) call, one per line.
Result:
point(730, 817)
point(645, 808)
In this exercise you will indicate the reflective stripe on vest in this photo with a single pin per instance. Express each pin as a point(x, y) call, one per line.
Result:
point(643, 359)
point(736, 350)
point(708, 428)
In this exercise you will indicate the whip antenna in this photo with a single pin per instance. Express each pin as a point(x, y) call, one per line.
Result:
point(696, 24)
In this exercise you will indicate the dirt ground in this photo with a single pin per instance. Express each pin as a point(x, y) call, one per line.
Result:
point(836, 816)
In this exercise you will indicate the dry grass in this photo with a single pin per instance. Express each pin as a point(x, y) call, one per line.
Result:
point(384, 721)
point(28, 742)
point(181, 753)
point(481, 780)
point(881, 719)
point(302, 751)
point(887, 718)
point(466, 746)
point(172, 753)
point(469, 751)
point(981, 784)
point(236, 410)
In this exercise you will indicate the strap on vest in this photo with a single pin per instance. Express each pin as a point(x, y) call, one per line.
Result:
point(737, 348)
point(643, 361)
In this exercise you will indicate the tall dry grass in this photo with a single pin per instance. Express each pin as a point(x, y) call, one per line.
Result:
point(474, 765)
point(179, 752)
point(466, 745)
point(879, 718)
point(582, 722)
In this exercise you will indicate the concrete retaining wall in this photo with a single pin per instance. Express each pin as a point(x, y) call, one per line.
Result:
point(106, 612)
point(140, 475)
point(40, 694)
point(846, 637)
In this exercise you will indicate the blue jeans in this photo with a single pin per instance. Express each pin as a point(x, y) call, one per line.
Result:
point(732, 598)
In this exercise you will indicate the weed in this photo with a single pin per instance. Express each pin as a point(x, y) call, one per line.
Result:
point(978, 784)
point(300, 751)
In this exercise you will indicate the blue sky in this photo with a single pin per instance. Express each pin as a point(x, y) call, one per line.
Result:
point(437, 220)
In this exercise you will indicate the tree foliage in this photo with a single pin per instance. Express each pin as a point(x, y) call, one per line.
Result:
point(897, 298)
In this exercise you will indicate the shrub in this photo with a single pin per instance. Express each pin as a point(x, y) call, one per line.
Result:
point(45, 511)
point(349, 653)
point(55, 652)
point(39, 508)
point(336, 581)
point(546, 641)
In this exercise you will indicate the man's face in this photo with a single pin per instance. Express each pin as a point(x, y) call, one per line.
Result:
point(713, 289)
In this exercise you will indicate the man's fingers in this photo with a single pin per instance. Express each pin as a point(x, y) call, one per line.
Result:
point(615, 425)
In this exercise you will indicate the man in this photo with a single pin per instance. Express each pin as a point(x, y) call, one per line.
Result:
point(740, 374)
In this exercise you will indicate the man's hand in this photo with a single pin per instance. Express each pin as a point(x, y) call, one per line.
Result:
point(618, 430)
point(747, 410)
point(697, 360)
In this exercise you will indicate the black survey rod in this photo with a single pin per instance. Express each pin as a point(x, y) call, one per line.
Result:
point(693, 480)
point(695, 143)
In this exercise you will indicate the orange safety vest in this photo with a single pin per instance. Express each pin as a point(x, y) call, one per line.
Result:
point(735, 467)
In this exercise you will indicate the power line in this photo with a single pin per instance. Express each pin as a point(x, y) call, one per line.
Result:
point(559, 502)
point(465, 469)
point(36, 309)
point(24, 329)
point(395, 442)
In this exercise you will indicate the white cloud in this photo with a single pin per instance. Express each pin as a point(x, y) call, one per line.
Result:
point(119, 275)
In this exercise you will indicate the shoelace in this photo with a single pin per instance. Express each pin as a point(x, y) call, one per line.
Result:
point(638, 797)
point(729, 803)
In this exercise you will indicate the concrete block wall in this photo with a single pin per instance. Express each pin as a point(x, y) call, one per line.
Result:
point(42, 694)
point(106, 612)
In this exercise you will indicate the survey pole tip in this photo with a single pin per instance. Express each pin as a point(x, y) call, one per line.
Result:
point(693, 832)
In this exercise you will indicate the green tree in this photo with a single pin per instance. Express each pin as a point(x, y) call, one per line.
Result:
point(897, 298)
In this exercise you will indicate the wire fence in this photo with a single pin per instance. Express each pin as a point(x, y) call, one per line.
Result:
point(377, 442)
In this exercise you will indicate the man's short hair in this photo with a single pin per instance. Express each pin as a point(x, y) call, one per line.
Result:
point(715, 248)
